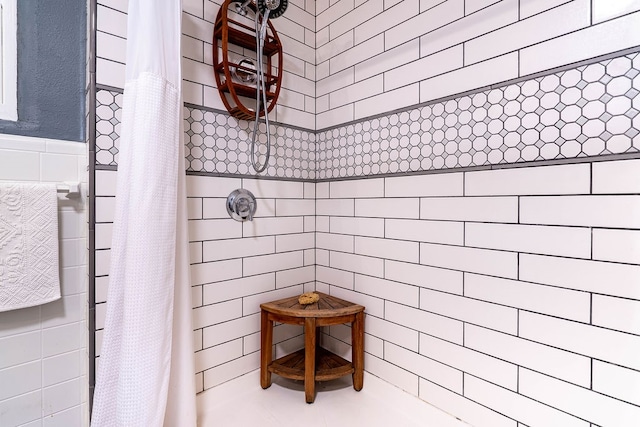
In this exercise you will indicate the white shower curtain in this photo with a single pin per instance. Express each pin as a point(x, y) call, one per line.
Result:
point(146, 368)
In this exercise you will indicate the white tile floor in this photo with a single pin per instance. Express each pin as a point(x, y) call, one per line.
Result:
point(242, 403)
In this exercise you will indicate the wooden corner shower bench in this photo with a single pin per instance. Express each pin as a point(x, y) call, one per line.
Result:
point(313, 363)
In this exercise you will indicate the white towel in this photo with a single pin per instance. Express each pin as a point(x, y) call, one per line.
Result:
point(28, 245)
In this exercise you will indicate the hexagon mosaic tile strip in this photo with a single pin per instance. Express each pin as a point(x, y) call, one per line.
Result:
point(582, 112)
point(587, 111)
point(215, 142)
point(219, 143)
point(108, 116)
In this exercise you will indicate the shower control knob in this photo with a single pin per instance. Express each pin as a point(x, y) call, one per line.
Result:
point(241, 205)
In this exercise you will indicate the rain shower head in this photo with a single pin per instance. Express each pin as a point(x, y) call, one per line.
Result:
point(275, 7)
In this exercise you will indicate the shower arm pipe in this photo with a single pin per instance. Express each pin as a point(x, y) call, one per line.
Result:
point(244, 5)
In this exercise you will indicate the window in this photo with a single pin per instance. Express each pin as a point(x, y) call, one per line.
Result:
point(8, 61)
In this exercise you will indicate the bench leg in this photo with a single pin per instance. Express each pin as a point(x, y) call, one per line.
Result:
point(266, 343)
point(310, 359)
point(357, 349)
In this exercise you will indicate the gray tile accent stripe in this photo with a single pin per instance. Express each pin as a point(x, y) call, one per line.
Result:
point(220, 143)
point(577, 112)
point(587, 111)
point(215, 142)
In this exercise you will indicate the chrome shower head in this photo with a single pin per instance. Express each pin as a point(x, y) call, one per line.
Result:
point(276, 7)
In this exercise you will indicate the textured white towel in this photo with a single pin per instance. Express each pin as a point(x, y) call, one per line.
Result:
point(28, 245)
point(146, 371)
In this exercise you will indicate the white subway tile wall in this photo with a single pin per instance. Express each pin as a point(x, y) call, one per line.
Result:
point(376, 57)
point(234, 268)
point(504, 297)
point(452, 46)
point(296, 30)
point(43, 349)
point(216, 142)
point(496, 316)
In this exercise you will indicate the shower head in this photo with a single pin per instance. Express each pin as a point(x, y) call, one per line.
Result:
point(275, 7)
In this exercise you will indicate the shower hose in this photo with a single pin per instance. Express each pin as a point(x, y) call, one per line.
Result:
point(261, 92)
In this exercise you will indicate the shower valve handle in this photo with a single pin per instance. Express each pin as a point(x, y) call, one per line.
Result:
point(244, 207)
point(241, 205)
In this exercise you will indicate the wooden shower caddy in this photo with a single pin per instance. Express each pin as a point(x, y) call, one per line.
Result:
point(232, 32)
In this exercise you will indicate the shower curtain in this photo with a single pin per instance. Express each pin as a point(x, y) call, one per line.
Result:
point(146, 368)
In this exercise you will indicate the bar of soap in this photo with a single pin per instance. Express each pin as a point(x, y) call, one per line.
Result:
point(308, 298)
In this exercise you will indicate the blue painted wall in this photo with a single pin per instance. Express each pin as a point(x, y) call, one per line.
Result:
point(51, 70)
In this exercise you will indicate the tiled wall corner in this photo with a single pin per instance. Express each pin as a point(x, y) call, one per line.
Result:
point(44, 357)
point(234, 267)
point(504, 297)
